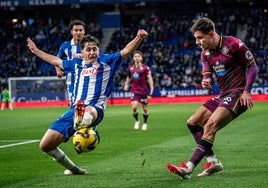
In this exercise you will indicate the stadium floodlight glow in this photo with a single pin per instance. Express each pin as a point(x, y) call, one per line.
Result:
point(15, 20)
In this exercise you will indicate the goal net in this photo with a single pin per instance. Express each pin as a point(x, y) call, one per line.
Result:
point(23, 89)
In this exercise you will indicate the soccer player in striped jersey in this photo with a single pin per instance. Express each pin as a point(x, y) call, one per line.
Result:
point(138, 75)
point(69, 50)
point(234, 67)
point(94, 76)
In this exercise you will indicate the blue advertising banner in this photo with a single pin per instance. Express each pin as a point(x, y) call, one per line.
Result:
point(17, 3)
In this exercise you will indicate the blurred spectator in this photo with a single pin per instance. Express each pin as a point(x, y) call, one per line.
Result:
point(169, 50)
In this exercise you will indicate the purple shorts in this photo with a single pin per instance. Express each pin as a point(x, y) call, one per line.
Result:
point(141, 97)
point(229, 100)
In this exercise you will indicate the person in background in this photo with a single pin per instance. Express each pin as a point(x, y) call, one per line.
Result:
point(235, 69)
point(138, 75)
point(69, 50)
point(6, 99)
point(94, 77)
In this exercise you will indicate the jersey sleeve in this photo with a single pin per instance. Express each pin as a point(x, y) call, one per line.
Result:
point(61, 54)
point(206, 69)
point(69, 65)
point(244, 54)
point(114, 60)
point(148, 70)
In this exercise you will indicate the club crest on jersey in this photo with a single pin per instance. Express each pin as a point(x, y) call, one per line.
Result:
point(207, 53)
point(89, 71)
point(248, 55)
point(224, 50)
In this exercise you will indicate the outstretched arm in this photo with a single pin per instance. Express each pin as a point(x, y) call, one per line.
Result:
point(134, 44)
point(51, 59)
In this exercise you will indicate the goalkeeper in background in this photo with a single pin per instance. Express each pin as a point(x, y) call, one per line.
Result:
point(6, 99)
point(93, 86)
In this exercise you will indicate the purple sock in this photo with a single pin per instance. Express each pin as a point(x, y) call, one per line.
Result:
point(197, 132)
point(202, 148)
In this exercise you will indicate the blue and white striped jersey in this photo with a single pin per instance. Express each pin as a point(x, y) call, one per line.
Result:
point(94, 82)
point(69, 50)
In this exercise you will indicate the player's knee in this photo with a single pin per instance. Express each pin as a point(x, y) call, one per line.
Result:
point(191, 121)
point(196, 120)
point(146, 111)
point(43, 148)
point(46, 147)
point(134, 109)
point(87, 119)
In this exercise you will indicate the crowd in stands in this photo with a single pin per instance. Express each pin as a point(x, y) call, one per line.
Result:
point(170, 49)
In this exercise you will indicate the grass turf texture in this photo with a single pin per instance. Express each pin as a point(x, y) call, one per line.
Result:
point(129, 158)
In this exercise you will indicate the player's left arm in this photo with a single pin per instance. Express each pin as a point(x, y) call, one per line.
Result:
point(151, 83)
point(134, 44)
point(245, 98)
point(248, 59)
point(150, 80)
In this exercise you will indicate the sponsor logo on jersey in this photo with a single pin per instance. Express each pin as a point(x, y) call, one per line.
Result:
point(219, 69)
point(89, 71)
point(78, 55)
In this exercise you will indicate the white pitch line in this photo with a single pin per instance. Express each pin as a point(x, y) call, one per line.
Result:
point(19, 143)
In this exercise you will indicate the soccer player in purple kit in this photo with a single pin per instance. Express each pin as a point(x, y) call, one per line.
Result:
point(94, 75)
point(138, 75)
point(235, 69)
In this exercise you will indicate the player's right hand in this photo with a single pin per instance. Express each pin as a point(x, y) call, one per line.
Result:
point(125, 88)
point(206, 83)
point(31, 45)
point(142, 33)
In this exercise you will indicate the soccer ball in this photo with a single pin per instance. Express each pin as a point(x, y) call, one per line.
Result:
point(85, 140)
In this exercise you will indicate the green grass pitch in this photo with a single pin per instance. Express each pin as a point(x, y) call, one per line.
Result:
point(129, 158)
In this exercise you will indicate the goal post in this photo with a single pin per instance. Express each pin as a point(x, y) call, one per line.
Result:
point(43, 89)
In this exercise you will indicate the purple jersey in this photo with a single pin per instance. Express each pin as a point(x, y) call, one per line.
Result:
point(229, 63)
point(138, 76)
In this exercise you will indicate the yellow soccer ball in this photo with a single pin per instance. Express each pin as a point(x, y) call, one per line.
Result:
point(85, 140)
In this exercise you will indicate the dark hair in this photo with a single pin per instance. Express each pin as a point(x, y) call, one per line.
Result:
point(205, 25)
point(138, 52)
point(88, 38)
point(76, 22)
